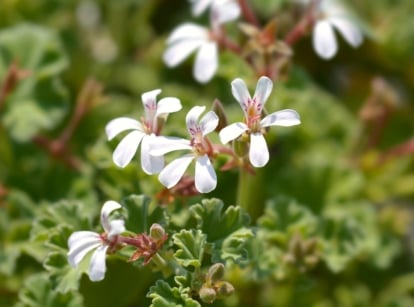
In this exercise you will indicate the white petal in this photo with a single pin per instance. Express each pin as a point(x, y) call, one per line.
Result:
point(150, 95)
point(225, 11)
point(263, 89)
point(97, 267)
point(177, 52)
point(284, 118)
point(232, 132)
point(173, 172)
point(349, 31)
point(150, 164)
point(206, 62)
point(209, 122)
point(168, 105)
point(117, 227)
point(127, 148)
point(191, 119)
point(187, 31)
point(240, 92)
point(324, 41)
point(81, 246)
point(199, 6)
point(150, 99)
point(117, 125)
point(258, 152)
point(106, 210)
point(205, 176)
point(164, 144)
point(79, 235)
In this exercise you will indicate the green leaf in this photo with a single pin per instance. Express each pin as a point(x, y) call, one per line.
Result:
point(343, 240)
point(60, 218)
point(191, 244)
point(141, 215)
point(163, 295)
point(284, 217)
point(233, 247)
point(65, 277)
point(35, 48)
point(215, 223)
point(226, 231)
point(38, 292)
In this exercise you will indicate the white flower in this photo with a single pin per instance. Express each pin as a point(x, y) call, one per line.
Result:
point(143, 132)
point(253, 124)
point(82, 242)
point(189, 37)
point(331, 15)
point(229, 9)
point(205, 176)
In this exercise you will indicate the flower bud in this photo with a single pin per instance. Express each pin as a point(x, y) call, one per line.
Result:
point(216, 272)
point(224, 289)
point(207, 295)
point(157, 232)
point(219, 110)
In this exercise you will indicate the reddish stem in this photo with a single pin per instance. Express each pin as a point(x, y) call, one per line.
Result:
point(303, 26)
point(406, 148)
point(248, 13)
point(58, 148)
point(13, 76)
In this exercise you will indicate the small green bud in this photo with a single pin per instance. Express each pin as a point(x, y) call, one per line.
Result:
point(157, 232)
point(207, 295)
point(216, 272)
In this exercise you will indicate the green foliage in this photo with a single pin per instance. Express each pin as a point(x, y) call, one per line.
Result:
point(226, 231)
point(141, 215)
point(40, 101)
point(164, 296)
point(38, 292)
point(190, 245)
point(330, 222)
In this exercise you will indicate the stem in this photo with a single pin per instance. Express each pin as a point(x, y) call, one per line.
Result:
point(168, 267)
point(248, 195)
point(248, 13)
point(13, 76)
point(159, 261)
point(59, 147)
point(303, 25)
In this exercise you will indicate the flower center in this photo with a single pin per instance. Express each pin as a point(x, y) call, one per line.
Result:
point(253, 115)
point(199, 144)
point(147, 125)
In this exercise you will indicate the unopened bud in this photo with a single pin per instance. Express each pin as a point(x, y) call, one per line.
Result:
point(224, 289)
point(216, 272)
point(157, 232)
point(207, 295)
point(219, 110)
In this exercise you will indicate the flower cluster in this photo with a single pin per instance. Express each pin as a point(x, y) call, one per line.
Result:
point(324, 16)
point(201, 150)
